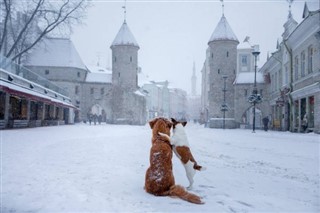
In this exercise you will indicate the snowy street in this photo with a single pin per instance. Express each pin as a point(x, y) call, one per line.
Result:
point(101, 168)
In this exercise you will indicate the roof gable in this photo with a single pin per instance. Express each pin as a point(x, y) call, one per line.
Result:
point(55, 52)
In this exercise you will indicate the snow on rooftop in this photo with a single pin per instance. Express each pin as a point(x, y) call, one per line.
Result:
point(248, 78)
point(125, 37)
point(99, 75)
point(223, 31)
point(55, 52)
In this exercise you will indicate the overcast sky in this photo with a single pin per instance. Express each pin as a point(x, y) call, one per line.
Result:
point(173, 34)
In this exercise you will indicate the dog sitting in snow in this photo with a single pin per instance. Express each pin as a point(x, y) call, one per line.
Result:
point(180, 144)
point(159, 179)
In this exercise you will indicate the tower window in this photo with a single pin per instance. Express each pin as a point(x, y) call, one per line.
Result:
point(227, 54)
point(47, 72)
point(102, 91)
point(91, 90)
point(130, 58)
point(211, 55)
point(78, 74)
point(218, 71)
point(76, 91)
point(119, 75)
point(115, 59)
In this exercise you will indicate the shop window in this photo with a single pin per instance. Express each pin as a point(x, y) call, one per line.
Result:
point(2, 104)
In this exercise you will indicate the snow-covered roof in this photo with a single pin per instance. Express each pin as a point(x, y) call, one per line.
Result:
point(125, 37)
point(244, 45)
point(55, 52)
point(138, 92)
point(34, 93)
point(99, 75)
point(248, 78)
point(223, 31)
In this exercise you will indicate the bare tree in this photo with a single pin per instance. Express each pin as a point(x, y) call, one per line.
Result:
point(25, 23)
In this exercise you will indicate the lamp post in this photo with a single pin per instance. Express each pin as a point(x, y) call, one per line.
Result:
point(255, 96)
point(224, 106)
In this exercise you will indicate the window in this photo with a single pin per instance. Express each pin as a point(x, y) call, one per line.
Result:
point(102, 91)
point(91, 91)
point(286, 74)
point(245, 93)
point(218, 71)
point(46, 72)
point(303, 63)
point(227, 54)
point(276, 82)
point(244, 60)
point(115, 59)
point(78, 74)
point(76, 90)
point(310, 59)
point(130, 58)
point(296, 68)
point(211, 55)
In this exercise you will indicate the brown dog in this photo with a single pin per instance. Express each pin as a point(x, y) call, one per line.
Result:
point(159, 178)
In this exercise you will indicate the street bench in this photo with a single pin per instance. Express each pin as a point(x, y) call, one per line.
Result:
point(2, 124)
point(20, 123)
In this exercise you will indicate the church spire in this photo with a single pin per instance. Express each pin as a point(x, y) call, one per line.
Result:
point(194, 81)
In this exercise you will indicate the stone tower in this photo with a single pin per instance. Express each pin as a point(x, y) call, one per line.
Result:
point(222, 58)
point(125, 59)
point(194, 81)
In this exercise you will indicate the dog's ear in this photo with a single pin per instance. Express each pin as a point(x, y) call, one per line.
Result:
point(152, 122)
point(173, 120)
point(184, 123)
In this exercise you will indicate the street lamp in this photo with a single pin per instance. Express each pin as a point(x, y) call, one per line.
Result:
point(255, 97)
point(224, 106)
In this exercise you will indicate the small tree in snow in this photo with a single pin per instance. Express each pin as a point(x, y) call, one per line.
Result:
point(24, 23)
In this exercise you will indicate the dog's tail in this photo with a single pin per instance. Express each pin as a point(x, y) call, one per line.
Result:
point(165, 135)
point(179, 191)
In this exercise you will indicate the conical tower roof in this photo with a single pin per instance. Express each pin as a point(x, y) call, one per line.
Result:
point(125, 37)
point(223, 31)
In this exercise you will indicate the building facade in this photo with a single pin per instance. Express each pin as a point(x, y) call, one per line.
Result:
point(294, 73)
point(111, 96)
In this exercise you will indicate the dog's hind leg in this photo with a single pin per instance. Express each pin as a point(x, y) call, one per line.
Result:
point(190, 173)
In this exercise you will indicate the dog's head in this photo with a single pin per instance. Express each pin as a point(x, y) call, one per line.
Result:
point(160, 125)
point(175, 123)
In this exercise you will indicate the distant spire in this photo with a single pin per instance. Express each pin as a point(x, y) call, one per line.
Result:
point(290, 4)
point(222, 5)
point(125, 11)
point(194, 80)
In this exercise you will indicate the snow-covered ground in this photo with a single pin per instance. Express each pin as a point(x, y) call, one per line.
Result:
point(82, 168)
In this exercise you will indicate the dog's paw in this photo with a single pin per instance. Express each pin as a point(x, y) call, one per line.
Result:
point(203, 168)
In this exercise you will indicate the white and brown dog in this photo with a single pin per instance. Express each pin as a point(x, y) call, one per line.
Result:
point(159, 179)
point(180, 145)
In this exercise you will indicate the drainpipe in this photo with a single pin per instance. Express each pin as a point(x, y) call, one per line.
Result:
point(290, 84)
